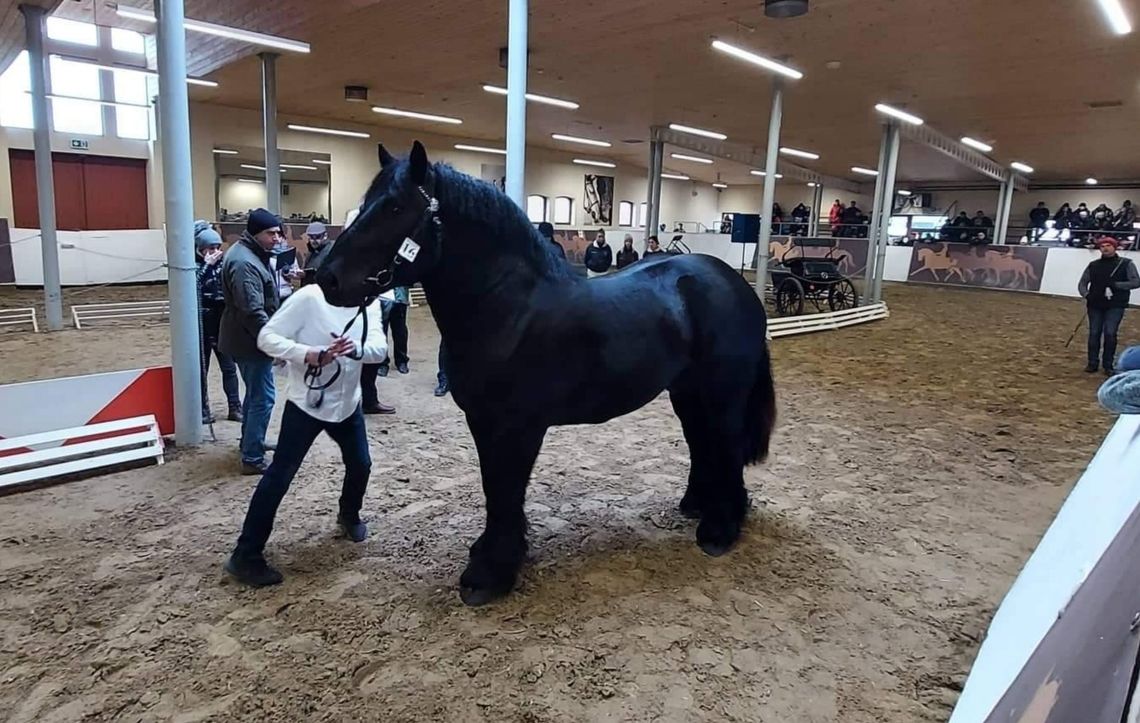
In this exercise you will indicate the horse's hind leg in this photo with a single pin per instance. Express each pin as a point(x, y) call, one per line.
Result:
point(687, 405)
point(506, 457)
point(724, 502)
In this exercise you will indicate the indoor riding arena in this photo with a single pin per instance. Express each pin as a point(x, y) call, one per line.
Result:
point(625, 226)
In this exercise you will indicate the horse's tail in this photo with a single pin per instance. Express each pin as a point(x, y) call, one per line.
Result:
point(761, 412)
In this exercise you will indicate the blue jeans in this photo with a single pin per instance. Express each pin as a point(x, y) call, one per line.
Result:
point(1103, 323)
point(257, 407)
point(298, 432)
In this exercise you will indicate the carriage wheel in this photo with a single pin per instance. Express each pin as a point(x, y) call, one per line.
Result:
point(842, 295)
point(790, 298)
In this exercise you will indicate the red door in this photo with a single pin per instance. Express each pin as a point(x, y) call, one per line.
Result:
point(91, 192)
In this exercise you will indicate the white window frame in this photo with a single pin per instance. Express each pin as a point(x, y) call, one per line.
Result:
point(568, 219)
point(626, 210)
point(537, 198)
point(643, 215)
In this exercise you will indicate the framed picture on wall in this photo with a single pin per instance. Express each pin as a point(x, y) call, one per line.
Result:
point(599, 195)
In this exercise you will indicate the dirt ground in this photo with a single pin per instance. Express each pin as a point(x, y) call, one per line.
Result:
point(917, 462)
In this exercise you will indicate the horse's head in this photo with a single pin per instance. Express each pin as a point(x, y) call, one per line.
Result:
point(393, 241)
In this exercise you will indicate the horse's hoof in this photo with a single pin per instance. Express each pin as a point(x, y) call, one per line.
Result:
point(715, 549)
point(717, 540)
point(477, 596)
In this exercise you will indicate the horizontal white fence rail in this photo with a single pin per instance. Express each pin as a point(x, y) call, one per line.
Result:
point(86, 313)
point(827, 321)
point(19, 317)
point(45, 455)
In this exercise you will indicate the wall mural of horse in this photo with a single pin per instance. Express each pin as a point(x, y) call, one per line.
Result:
point(530, 345)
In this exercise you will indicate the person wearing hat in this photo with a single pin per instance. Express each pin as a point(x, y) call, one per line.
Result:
point(211, 304)
point(250, 291)
point(1106, 287)
point(316, 241)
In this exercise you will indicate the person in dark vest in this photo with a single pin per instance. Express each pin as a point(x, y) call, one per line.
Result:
point(251, 297)
point(628, 254)
point(1106, 286)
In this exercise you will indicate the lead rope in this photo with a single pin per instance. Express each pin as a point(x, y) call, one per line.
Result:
point(313, 372)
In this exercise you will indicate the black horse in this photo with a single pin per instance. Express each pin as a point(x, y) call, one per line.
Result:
point(530, 345)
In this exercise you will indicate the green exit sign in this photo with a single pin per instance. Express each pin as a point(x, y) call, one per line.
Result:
point(79, 144)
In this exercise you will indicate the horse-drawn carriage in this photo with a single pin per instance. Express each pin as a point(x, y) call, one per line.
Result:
point(798, 278)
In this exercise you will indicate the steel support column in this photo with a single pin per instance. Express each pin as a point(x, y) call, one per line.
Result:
point(876, 207)
point(884, 218)
point(45, 184)
point(269, 124)
point(769, 196)
point(1005, 206)
point(653, 200)
point(174, 127)
point(516, 101)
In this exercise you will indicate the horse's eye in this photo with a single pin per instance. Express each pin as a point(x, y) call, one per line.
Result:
point(395, 209)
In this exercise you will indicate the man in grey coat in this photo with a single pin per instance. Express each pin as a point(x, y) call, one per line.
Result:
point(250, 290)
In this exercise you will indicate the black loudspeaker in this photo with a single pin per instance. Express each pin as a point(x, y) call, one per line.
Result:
point(284, 189)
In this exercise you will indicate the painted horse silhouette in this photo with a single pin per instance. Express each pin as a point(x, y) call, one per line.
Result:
point(529, 345)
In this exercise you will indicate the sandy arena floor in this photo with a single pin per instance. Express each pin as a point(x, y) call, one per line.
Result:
point(917, 462)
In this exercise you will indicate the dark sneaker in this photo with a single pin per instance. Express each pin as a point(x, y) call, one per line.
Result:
point(253, 571)
point(1109, 371)
point(235, 414)
point(382, 371)
point(1091, 368)
point(208, 418)
point(442, 389)
point(355, 531)
point(379, 408)
point(249, 469)
point(402, 368)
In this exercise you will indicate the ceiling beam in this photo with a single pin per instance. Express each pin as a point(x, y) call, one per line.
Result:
point(968, 157)
point(749, 155)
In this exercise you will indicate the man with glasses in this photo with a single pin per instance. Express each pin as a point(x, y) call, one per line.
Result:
point(250, 290)
point(324, 348)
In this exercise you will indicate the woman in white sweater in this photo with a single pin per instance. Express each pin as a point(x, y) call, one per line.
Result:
point(318, 343)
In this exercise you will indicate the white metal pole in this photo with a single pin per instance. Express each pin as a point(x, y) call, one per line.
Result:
point(876, 205)
point(885, 214)
point(516, 101)
point(174, 126)
point(653, 209)
point(1005, 208)
point(269, 124)
point(45, 183)
point(816, 207)
point(769, 195)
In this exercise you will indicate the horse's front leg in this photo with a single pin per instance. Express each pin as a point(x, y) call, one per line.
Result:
point(506, 457)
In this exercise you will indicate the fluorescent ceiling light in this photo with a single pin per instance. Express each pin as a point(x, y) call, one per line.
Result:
point(901, 192)
point(694, 159)
point(299, 168)
point(603, 164)
point(535, 98)
point(864, 171)
point(811, 184)
point(328, 131)
point(697, 131)
point(1019, 166)
point(766, 63)
point(1114, 13)
point(720, 185)
point(762, 173)
point(222, 31)
point(1091, 181)
point(973, 143)
point(480, 149)
point(799, 154)
point(252, 167)
point(250, 180)
point(900, 114)
point(675, 176)
point(225, 152)
point(584, 141)
point(322, 162)
point(128, 69)
point(414, 114)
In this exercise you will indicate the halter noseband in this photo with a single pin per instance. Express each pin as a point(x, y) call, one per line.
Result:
point(410, 248)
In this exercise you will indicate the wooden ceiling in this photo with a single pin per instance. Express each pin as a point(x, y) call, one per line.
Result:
point(1018, 73)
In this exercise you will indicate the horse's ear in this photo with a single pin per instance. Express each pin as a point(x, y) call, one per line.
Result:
point(385, 156)
point(418, 163)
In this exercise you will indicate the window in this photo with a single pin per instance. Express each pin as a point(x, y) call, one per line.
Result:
point(536, 208)
point(15, 94)
point(131, 122)
point(128, 41)
point(643, 214)
point(79, 80)
point(71, 31)
point(563, 210)
point(625, 213)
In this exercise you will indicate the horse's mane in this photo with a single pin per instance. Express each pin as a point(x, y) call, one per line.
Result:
point(480, 204)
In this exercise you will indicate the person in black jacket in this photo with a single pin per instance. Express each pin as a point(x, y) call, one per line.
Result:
point(1106, 286)
point(599, 256)
point(1037, 218)
point(211, 303)
point(653, 248)
point(983, 228)
point(627, 255)
point(250, 290)
point(546, 231)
